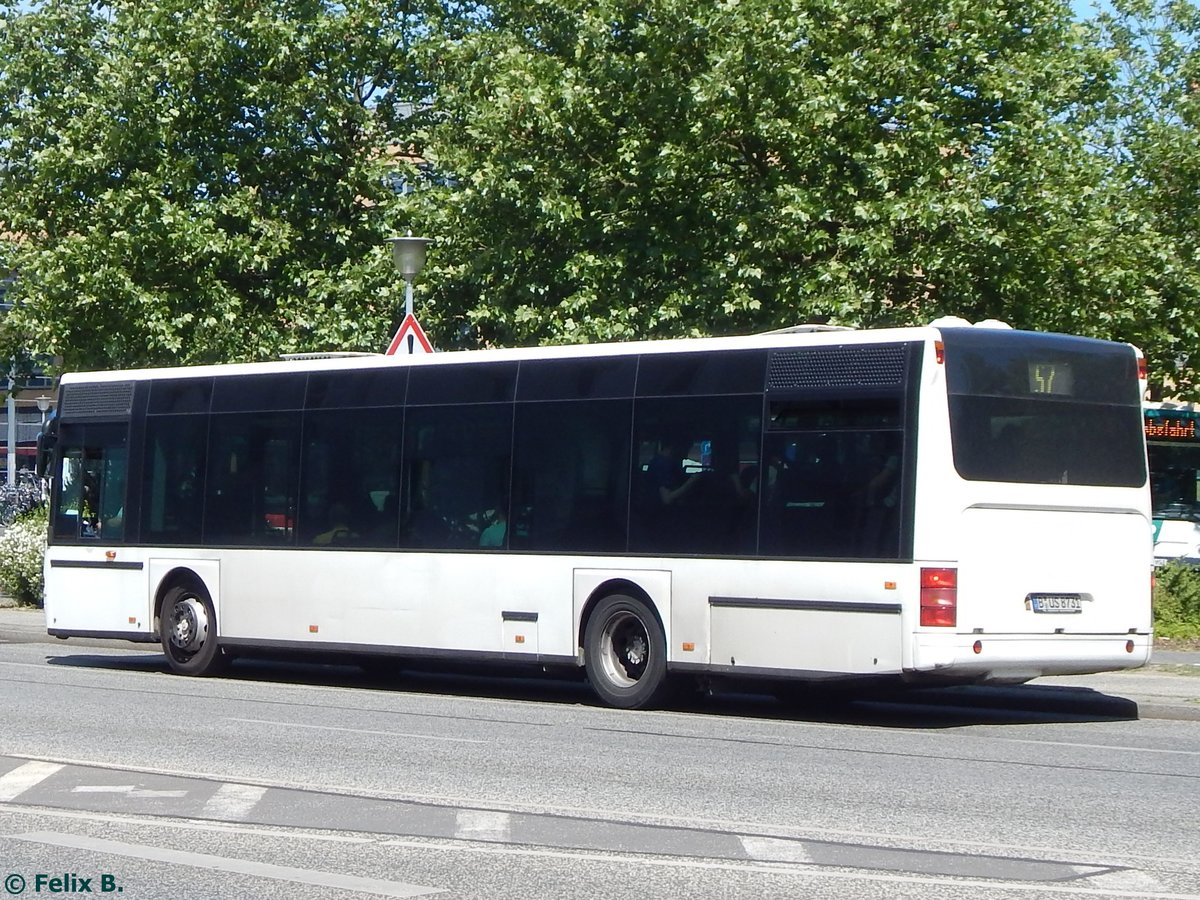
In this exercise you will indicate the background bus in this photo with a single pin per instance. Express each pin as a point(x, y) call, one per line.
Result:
point(803, 506)
point(1173, 448)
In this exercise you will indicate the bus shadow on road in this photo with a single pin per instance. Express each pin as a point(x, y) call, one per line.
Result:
point(925, 707)
point(953, 707)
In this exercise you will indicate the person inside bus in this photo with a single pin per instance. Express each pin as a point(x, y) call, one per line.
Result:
point(667, 486)
point(883, 488)
point(89, 507)
point(339, 531)
point(493, 535)
point(669, 482)
point(876, 521)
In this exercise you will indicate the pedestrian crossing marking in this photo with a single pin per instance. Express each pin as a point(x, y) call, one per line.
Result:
point(22, 778)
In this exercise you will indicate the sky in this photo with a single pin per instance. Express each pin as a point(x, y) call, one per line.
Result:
point(1085, 9)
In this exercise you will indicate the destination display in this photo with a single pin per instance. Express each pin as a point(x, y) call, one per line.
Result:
point(1170, 424)
point(1051, 378)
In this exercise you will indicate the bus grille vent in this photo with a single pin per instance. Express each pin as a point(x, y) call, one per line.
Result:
point(870, 365)
point(104, 400)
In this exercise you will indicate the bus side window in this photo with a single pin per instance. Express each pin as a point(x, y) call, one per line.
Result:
point(694, 475)
point(457, 461)
point(91, 484)
point(70, 495)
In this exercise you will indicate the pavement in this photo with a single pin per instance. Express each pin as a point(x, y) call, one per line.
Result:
point(1168, 688)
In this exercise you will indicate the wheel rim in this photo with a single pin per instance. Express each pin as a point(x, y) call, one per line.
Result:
point(624, 649)
point(189, 626)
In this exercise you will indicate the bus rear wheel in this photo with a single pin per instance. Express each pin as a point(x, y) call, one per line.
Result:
point(625, 653)
point(188, 630)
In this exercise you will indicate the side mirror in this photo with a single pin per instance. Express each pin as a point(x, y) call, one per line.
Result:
point(46, 441)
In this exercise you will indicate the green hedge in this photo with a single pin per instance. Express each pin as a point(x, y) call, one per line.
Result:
point(1177, 601)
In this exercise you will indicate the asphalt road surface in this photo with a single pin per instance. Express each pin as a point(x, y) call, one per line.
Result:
point(288, 779)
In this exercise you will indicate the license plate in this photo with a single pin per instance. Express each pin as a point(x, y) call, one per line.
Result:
point(1054, 603)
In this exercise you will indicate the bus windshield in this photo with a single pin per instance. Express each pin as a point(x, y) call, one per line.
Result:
point(1175, 487)
point(1174, 455)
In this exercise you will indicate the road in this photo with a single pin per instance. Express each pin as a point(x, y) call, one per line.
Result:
point(291, 780)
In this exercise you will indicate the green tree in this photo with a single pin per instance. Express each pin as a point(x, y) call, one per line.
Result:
point(201, 182)
point(195, 184)
point(670, 167)
point(1147, 130)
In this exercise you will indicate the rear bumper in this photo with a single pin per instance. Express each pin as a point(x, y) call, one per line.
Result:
point(1009, 658)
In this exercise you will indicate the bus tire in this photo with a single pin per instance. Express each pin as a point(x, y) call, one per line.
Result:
point(188, 630)
point(625, 653)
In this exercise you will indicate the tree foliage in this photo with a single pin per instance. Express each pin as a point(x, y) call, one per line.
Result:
point(200, 182)
point(197, 184)
point(1148, 131)
point(680, 167)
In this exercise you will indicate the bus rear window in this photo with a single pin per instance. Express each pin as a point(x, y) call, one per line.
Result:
point(1044, 409)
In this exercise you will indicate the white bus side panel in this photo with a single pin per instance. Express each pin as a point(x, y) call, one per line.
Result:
point(416, 600)
point(812, 640)
point(836, 618)
point(483, 603)
point(87, 593)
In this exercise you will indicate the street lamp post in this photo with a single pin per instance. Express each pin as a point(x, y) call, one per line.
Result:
point(10, 405)
point(408, 253)
point(43, 405)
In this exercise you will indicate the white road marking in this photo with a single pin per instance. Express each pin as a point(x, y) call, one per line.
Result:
point(23, 777)
point(126, 819)
point(598, 814)
point(232, 801)
point(229, 864)
point(767, 849)
point(1041, 888)
point(127, 789)
point(146, 792)
point(423, 737)
point(1126, 880)
point(482, 825)
point(1104, 748)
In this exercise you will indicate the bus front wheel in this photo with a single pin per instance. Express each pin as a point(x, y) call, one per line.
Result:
point(625, 653)
point(188, 631)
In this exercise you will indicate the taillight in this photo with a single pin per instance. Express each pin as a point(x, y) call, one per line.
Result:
point(939, 597)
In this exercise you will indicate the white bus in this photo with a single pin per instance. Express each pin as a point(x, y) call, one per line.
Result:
point(946, 504)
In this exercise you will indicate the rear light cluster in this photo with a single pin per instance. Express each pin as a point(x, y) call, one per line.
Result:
point(939, 597)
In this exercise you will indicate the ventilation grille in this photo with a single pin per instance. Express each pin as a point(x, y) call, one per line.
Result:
point(870, 365)
point(105, 400)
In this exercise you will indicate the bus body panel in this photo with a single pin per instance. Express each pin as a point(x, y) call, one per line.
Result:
point(1014, 561)
point(808, 640)
point(88, 593)
point(787, 614)
point(406, 600)
point(1013, 659)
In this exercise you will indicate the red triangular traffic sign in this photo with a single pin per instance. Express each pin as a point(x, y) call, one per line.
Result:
point(409, 338)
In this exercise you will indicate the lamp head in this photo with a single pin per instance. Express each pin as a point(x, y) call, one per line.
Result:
point(408, 253)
